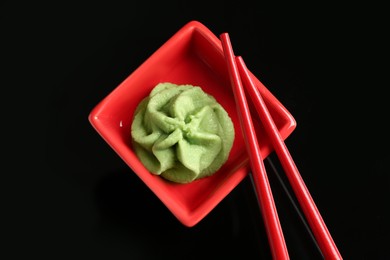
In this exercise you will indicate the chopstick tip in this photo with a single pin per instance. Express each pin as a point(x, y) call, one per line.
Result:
point(224, 35)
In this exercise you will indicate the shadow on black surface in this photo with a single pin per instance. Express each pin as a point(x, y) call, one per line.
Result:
point(299, 238)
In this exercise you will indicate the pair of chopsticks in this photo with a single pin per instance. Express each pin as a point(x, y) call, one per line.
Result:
point(240, 77)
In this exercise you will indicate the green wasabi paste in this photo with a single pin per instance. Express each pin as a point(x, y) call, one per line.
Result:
point(181, 133)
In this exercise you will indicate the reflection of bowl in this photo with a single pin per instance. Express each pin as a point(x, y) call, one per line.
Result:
point(192, 56)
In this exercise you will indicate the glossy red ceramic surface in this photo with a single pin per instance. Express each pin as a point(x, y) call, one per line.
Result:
point(193, 55)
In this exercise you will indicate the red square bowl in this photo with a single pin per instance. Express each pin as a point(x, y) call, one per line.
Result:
point(193, 55)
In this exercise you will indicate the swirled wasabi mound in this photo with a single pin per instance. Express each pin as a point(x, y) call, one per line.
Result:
point(181, 133)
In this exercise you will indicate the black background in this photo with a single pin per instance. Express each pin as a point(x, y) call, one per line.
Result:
point(68, 195)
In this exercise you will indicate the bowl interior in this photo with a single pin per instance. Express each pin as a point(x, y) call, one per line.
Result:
point(191, 56)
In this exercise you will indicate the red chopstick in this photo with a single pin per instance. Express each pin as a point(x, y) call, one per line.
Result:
point(263, 189)
point(304, 198)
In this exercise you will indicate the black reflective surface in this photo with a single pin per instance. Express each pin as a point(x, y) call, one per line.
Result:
point(68, 195)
